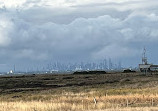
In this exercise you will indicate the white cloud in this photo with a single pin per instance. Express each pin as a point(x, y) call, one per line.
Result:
point(5, 31)
point(12, 3)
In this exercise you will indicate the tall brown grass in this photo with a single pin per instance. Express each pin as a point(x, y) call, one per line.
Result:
point(48, 106)
point(83, 102)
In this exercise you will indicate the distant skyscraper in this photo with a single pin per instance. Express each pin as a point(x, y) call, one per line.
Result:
point(110, 64)
point(119, 65)
point(105, 64)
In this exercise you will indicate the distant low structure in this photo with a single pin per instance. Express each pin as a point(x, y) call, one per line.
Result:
point(128, 71)
point(145, 66)
point(89, 72)
point(10, 72)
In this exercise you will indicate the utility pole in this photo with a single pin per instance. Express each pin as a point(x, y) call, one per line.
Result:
point(144, 58)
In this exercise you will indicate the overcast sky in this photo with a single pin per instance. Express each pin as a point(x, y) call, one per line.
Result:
point(38, 31)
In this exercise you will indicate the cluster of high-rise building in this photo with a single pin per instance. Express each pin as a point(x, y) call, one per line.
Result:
point(101, 65)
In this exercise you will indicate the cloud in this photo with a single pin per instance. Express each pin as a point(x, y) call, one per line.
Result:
point(5, 31)
point(41, 31)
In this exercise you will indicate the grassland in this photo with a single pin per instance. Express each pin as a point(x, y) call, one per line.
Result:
point(68, 92)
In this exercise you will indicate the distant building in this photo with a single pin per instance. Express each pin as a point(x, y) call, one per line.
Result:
point(145, 67)
point(10, 72)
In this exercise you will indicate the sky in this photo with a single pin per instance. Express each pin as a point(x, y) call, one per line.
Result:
point(39, 31)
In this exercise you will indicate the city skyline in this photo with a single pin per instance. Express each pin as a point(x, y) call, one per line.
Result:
point(106, 64)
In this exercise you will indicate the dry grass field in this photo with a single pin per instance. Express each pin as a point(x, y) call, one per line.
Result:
point(89, 92)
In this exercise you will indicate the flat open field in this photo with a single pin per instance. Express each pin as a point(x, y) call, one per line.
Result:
point(87, 92)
